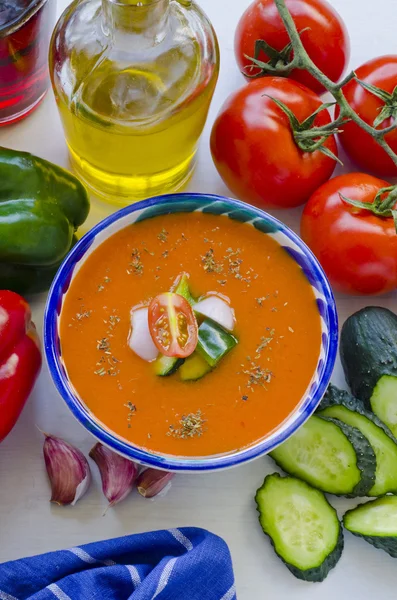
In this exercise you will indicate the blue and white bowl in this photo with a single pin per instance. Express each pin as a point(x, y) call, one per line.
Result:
point(217, 205)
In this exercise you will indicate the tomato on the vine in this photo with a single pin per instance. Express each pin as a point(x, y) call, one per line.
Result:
point(324, 37)
point(254, 148)
point(359, 145)
point(172, 325)
point(356, 248)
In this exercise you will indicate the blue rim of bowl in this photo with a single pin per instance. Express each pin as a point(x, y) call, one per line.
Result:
point(168, 462)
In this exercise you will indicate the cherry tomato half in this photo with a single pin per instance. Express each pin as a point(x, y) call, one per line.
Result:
point(172, 325)
point(254, 149)
point(357, 249)
point(325, 39)
point(359, 145)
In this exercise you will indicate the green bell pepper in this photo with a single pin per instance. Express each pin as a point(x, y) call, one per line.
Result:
point(41, 207)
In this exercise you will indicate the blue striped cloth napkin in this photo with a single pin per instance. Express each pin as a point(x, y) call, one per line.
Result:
point(178, 564)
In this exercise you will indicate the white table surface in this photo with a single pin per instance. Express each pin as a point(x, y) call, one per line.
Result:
point(222, 502)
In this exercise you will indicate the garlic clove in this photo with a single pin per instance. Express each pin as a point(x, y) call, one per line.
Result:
point(118, 474)
point(68, 470)
point(152, 481)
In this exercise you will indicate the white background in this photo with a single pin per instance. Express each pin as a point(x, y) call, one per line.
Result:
point(223, 502)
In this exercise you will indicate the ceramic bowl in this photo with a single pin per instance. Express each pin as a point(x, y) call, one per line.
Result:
point(217, 205)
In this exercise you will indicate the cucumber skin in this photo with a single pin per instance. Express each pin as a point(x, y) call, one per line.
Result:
point(212, 338)
point(366, 461)
point(368, 349)
point(334, 396)
point(317, 574)
point(386, 543)
point(178, 362)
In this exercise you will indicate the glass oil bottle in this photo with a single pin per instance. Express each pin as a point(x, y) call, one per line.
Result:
point(133, 81)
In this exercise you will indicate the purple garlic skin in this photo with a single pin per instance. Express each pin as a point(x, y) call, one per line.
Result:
point(68, 470)
point(152, 481)
point(118, 474)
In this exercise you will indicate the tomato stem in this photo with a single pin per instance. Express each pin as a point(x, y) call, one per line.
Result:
point(381, 206)
point(280, 61)
point(301, 60)
point(307, 137)
point(389, 110)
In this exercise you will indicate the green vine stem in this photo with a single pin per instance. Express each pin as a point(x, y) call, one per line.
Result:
point(382, 205)
point(301, 60)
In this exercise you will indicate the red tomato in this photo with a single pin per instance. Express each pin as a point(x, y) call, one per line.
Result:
point(357, 249)
point(254, 150)
point(359, 145)
point(172, 325)
point(326, 39)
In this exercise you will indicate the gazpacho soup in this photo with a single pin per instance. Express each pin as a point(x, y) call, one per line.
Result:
point(190, 334)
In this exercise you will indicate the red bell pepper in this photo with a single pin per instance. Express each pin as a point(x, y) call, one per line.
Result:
point(20, 358)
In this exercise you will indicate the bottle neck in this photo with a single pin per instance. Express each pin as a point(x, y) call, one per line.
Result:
point(141, 23)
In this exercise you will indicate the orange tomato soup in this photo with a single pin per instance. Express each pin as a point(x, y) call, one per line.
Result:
point(277, 326)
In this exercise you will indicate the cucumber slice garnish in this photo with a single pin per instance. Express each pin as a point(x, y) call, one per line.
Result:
point(214, 342)
point(376, 523)
point(166, 365)
point(194, 368)
point(331, 456)
point(303, 527)
point(181, 287)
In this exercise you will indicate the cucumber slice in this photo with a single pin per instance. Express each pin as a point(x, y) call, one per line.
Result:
point(302, 526)
point(384, 401)
point(166, 365)
point(181, 287)
point(194, 367)
point(331, 456)
point(368, 349)
point(376, 523)
point(214, 342)
point(339, 404)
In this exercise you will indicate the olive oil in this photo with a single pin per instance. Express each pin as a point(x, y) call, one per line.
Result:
point(134, 103)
